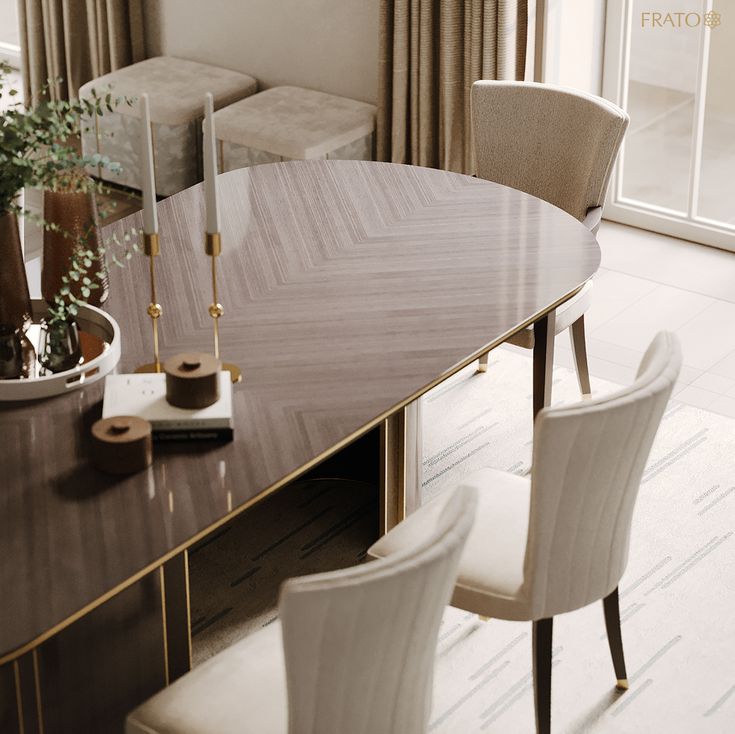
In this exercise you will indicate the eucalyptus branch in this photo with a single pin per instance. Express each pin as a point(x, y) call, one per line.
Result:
point(87, 270)
point(38, 145)
point(39, 148)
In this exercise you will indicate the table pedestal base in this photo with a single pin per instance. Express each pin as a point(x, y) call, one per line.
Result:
point(88, 676)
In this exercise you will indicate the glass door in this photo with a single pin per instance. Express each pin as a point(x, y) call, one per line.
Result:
point(671, 65)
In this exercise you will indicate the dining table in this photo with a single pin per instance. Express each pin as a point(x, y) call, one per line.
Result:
point(350, 289)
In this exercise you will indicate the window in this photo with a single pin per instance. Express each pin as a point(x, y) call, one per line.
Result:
point(669, 64)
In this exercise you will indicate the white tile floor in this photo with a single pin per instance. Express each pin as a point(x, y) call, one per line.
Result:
point(650, 282)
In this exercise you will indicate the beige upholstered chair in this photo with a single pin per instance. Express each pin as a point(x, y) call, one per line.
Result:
point(558, 540)
point(353, 651)
point(558, 145)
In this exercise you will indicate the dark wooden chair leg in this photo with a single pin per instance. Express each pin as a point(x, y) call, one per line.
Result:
point(579, 349)
point(543, 360)
point(614, 638)
point(482, 364)
point(542, 637)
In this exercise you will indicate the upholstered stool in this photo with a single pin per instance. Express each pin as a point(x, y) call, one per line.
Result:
point(291, 123)
point(176, 88)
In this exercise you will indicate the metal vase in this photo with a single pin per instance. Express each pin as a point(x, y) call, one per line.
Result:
point(17, 355)
point(75, 213)
point(15, 301)
point(59, 348)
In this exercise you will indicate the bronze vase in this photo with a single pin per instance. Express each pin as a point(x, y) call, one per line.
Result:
point(75, 213)
point(15, 301)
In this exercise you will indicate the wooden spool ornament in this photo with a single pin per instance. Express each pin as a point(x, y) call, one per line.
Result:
point(122, 444)
point(192, 380)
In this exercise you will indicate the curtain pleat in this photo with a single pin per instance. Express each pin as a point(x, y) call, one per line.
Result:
point(431, 51)
point(77, 40)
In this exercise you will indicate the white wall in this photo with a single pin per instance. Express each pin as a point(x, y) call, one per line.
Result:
point(332, 45)
point(575, 43)
point(329, 45)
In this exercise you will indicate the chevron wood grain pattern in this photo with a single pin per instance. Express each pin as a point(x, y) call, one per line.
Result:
point(349, 289)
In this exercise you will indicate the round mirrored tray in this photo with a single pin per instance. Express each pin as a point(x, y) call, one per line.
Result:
point(99, 342)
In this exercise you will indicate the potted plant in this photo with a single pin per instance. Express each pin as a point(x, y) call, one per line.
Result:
point(39, 148)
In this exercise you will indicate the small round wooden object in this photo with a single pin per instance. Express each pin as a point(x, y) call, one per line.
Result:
point(192, 380)
point(122, 444)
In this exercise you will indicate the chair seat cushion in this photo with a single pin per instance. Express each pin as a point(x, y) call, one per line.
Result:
point(490, 579)
point(566, 315)
point(296, 123)
point(176, 88)
point(242, 690)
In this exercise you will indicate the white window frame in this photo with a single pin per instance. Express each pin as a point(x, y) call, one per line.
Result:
point(690, 225)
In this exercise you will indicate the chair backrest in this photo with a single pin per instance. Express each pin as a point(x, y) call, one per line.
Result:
point(360, 642)
point(554, 143)
point(588, 460)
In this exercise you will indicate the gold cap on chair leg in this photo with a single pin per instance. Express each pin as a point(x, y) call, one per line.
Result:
point(622, 684)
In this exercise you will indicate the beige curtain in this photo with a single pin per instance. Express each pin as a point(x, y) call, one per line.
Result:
point(77, 40)
point(430, 53)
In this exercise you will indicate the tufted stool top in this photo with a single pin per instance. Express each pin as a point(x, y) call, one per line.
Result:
point(296, 123)
point(176, 88)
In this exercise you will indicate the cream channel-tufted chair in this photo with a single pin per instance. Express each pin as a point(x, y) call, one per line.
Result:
point(557, 541)
point(559, 145)
point(353, 650)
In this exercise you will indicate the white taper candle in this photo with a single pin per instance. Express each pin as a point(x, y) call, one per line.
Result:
point(209, 148)
point(150, 213)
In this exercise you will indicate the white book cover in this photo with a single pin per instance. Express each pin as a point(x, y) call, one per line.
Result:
point(144, 395)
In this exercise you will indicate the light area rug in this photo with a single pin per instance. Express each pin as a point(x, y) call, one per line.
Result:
point(677, 595)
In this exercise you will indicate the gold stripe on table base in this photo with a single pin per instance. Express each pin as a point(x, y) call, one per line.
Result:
point(28, 694)
point(37, 683)
point(544, 331)
point(18, 696)
point(400, 460)
point(176, 615)
point(393, 471)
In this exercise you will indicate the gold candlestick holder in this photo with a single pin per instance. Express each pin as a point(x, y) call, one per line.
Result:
point(152, 248)
point(213, 248)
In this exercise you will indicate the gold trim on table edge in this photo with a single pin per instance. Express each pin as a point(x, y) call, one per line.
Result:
point(36, 641)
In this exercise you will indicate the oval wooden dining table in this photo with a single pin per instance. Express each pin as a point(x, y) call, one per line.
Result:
point(350, 289)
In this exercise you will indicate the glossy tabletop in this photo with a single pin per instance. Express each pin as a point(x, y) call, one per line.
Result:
point(350, 288)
